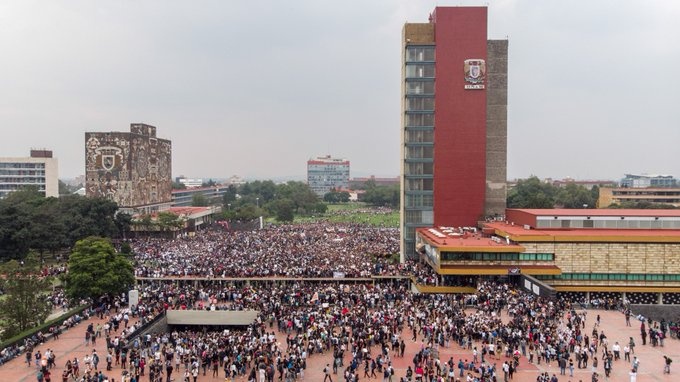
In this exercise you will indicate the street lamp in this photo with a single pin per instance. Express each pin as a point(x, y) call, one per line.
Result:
point(229, 206)
point(257, 200)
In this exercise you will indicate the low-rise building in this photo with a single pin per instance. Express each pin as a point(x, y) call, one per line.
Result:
point(39, 170)
point(593, 253)
point(654, 195)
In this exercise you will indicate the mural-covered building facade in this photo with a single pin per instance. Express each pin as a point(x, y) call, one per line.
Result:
point(133, 169)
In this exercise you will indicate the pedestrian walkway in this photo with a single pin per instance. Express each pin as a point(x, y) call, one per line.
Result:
point(72, 344)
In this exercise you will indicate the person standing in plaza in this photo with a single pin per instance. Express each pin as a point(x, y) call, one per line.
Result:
point(633, 375)
point(616, 349)
point(327, 373)
point(667, 365)
point(631, 344)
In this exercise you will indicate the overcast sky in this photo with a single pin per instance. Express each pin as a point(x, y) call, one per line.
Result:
point(256, 88)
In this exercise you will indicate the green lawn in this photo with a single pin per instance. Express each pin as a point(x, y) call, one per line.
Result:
point(355, 213)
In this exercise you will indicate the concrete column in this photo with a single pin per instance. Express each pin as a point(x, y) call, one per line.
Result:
point(624, 296)
point(660, 298)
point(587, 298)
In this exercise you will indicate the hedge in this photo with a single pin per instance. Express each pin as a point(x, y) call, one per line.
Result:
point(30, 332)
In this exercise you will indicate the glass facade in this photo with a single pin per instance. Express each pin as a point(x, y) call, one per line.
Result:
point(490, 256)
point(418, 150)
point(325, 174)
point(17, 175)
point(611, 277)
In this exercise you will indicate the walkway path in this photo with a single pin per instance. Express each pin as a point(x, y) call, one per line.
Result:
point(71, 344)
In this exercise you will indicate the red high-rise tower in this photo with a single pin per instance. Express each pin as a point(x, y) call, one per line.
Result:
point(454, 114)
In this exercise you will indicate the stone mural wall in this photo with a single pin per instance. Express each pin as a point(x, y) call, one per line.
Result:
point(133, 169)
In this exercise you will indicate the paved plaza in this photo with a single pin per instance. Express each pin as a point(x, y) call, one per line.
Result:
point(71, 344)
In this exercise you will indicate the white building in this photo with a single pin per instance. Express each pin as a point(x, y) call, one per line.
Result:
point(326, 173)
point(40, 170)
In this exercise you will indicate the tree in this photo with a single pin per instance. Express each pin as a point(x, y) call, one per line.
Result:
point(123, 222)
point(169, 221)
point(531, 193)
point(64, 189)
point(209, 183)
point(179, 186)
point(303, 197)
point(96, 269)
point(335, 196)
point(381, 195)
point(15, 217)
point(85, 217)
point(45, 229)
point(199, 200)
point(284, 210)
point(24, 305)
point(229, 196)
point(575, 196)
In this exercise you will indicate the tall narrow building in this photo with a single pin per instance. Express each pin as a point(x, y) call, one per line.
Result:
point(454, 122)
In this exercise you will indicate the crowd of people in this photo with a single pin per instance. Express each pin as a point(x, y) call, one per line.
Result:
point(304, 250)
point(370, 323)
point(360, 326)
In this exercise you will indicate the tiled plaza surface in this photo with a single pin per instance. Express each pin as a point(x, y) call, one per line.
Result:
point(71, 344)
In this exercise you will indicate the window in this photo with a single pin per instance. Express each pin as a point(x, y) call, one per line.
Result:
point(419, 136)
point(420, 71)
point(421, 103)
point(418, 169)
point(419, 152)
point(419, 200)
point(537, 256)
point(419, 184)
point(414, 216)
point(419, 87)
point(419, 53)
point(420, 119)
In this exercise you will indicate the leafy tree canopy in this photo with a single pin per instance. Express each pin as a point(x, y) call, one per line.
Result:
point(95, 269)
point(534, 193)
point(24, 305)
point(334, 197)
point(381, 195)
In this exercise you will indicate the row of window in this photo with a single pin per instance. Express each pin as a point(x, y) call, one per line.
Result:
point(419, 152)
point(419, 185)
point(419, 136)
point(488, 256)
point(23, 180)
point(419, 216)
point(426, 119)
point(612, 277)
point(22, 172)
point(419, 200)
point(21, 165)
point(426, 168)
